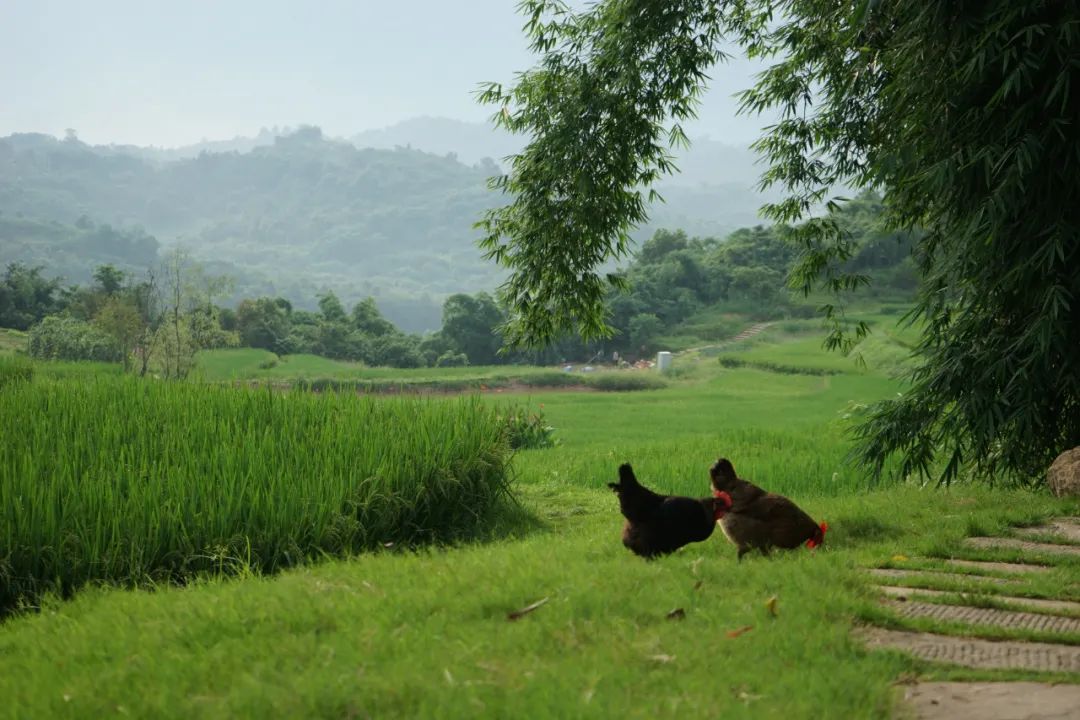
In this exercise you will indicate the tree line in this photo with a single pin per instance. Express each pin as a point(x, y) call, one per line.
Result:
point(171, 313)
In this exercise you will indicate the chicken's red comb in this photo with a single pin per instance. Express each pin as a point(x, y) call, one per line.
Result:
point(819, 537)
point(719, 512)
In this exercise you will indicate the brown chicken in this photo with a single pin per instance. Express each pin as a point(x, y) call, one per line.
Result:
point(660, 524)
point(760, 519)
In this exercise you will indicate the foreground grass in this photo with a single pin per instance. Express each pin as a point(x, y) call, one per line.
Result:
point(427, 634)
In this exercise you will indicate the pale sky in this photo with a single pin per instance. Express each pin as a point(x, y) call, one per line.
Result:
point(149, 72)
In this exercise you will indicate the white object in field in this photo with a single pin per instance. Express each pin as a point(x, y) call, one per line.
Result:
point(663, 361)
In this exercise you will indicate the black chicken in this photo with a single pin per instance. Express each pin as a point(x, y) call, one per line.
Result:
point(661, 524)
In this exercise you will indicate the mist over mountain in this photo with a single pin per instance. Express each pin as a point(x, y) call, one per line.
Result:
point(713, 193)
point(469, 142)
point(292, 212)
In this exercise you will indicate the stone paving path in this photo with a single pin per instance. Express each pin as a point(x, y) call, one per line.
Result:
point(915, 574)
point(1048, 617)
point(976, 653)
point(1002, 567)
point(1001, 700)
point(995, 543)
point(1065, 528)
point(1020, 603)
point(970, 615)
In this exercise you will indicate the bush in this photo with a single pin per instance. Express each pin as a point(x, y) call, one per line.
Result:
point(398, 351)
point(66, 338)
point(528, 430)
point(452, 359)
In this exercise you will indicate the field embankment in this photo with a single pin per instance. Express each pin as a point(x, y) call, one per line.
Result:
point(309, 372)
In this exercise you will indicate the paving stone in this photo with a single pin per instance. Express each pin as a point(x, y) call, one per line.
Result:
point(1050, 605)
point(993, 701)
point(892, 573)
point(970, 615)
point(1065, 528)
point(1027, 545)
point(976, 653)
point(1002, 567)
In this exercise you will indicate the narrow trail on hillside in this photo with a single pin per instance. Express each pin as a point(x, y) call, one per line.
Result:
point(749, 332)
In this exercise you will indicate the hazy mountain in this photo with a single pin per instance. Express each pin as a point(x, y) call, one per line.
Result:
point(469, 142)
point(265, 136)
point(713, 193)
point(294, 214)
point(707, 161)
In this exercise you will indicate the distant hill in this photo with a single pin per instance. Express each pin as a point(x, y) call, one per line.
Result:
point(265, 136)
point(303, 210)
point(468, 142)
point(713, 193)
point(295, 214)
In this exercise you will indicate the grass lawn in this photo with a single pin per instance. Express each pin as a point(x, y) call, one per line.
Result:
point(426, 634)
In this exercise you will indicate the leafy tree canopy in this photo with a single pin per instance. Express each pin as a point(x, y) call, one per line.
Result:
point(26, 296)
point(964, 113)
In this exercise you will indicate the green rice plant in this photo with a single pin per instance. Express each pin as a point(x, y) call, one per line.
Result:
point(734, 362)
point(626, 381)
point(14, 369)
point(117, 479)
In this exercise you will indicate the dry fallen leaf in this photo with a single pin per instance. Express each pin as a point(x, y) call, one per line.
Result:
point(747, 698)
point(676, 614)
point(770, 605)
point(740, 631)
point(526, 610)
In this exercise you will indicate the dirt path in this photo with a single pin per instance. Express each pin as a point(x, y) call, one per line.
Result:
point(1048, 618)
point(749, 332)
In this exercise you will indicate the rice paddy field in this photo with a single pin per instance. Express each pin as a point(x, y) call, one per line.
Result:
point(203, 550)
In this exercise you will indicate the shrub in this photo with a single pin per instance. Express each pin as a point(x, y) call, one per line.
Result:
point(67, 338)
point(528, 430)
point(452, 359)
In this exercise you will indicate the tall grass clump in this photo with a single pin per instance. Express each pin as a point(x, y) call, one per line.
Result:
point(116, 479)
point(14, 369)
point(528, 429)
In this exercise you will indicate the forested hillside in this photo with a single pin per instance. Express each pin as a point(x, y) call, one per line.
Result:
point(292, 215)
